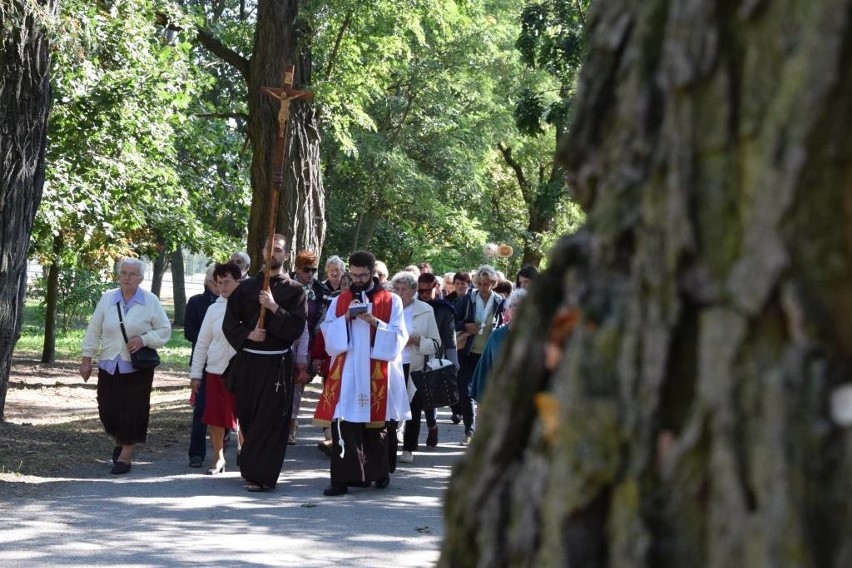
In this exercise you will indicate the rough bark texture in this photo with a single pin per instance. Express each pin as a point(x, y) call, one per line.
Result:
point(25, 100)
point(48, 352)
point(161, 262)
point(278, 42)
point(178, 286)
point(712, 155)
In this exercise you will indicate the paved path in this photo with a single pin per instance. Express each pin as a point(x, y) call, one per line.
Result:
point(165, 514)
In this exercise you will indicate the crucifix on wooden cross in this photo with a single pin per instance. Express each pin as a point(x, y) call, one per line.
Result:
point(284, 95)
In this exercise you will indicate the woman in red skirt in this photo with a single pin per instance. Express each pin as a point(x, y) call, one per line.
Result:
point(213, 352)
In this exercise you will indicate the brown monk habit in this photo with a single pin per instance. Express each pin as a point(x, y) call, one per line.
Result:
point(263, 376)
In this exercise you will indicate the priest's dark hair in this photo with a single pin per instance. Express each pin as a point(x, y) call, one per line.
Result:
point(362, 258)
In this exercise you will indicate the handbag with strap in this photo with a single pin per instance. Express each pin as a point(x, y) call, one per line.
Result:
point(437, 382)
point(145, 358)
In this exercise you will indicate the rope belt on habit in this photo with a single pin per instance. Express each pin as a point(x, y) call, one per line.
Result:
point(259, 352)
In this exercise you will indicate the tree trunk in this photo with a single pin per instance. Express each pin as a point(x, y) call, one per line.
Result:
point(688, 421)
point(160, 265)
point(178, 286)
point(279, 42)
point(25, 100)
point(48, 351)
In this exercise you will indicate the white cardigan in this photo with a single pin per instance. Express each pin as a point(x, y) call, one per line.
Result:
point(423, 324)
point(147, 320)
point(212, 347)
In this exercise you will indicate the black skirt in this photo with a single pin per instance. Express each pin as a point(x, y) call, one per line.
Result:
point(124, 404)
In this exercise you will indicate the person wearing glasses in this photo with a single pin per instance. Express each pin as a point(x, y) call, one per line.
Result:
point(262, 369)
point(334, 269)
point(124, 392)
point(423, 340)
point(477, 314)
point(243, 261)
point(364, 395)
point(429, 293)
point(307, 265)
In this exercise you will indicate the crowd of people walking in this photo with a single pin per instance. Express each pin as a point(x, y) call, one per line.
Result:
point(256, 341)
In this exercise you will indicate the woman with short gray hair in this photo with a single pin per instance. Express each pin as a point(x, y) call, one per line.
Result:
point(494, 347)
point(423, 339)
point(124, 392)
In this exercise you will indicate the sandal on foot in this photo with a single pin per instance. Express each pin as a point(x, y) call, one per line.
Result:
point(255, 487)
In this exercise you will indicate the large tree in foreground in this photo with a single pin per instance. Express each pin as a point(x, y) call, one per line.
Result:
point(25, 100)
point(684, 417)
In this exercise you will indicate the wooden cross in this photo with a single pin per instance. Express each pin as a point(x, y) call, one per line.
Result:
point(284, 95)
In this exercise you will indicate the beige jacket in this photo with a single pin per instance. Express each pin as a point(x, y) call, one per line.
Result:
point(148, 320)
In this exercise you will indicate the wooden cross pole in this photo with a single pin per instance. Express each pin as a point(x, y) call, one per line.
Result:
point(284, 95)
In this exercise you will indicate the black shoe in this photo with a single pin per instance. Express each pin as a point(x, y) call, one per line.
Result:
point(335, 489)
point(120, 468)
point(455, 418)
point(196, 461)
point(116, 451)
point(383, 482)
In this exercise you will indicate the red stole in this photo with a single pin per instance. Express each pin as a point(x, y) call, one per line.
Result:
point(382, 306)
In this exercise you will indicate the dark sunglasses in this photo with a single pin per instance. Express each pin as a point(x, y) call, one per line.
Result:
point(307, 269)
point(424, 290)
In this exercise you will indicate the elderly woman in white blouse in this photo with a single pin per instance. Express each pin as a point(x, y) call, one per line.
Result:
point(124, 392)
point(214, 352)
point(423, 339)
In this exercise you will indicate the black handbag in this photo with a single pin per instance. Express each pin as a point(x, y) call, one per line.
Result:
point(438, 387)
point(145, 358)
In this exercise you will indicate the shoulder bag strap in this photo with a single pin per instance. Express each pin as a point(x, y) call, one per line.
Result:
point(121, 322)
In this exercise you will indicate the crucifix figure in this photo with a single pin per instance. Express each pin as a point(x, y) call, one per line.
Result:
point(277, 384)
point(284, 95)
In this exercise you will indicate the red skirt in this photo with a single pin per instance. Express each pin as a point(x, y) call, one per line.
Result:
point(220, 405)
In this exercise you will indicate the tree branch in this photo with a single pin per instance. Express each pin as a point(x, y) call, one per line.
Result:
point(580, 11)
point(519, 172)
point(225, 53)
point(343, 27)
point(241, 115)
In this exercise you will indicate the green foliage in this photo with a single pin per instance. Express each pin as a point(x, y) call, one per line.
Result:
point(147, 136)
point(174, 354)
point(112, 177)
point(79, 292)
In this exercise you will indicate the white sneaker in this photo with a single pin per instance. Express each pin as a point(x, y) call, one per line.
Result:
point(466, 440)
point(406, 457)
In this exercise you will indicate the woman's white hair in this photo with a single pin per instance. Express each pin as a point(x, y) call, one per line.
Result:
point(133, 262)
point(486, 270)
point(405, 277)
point(515, 298)
point(335, 261)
